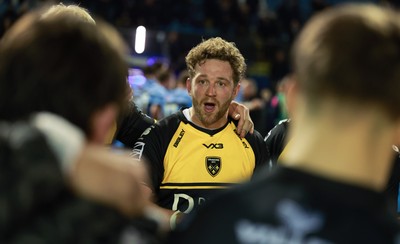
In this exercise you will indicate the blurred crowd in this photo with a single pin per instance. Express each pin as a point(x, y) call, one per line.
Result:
point(262, 29)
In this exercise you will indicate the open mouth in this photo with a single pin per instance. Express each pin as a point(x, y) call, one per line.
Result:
point(209, 107)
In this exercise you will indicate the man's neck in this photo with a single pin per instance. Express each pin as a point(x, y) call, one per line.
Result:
point(357, 152)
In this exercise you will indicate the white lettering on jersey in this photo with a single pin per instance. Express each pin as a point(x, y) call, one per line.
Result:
point(184, 197)
point(296, 223)
point(137, 150)
point(201, 200)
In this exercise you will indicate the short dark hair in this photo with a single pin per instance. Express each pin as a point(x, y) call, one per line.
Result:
point(61, 66)
point(351, 52)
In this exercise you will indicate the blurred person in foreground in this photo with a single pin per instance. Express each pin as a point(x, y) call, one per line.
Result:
point(277, 138)
point(62, 84)
point(196, 153)
point(329, 184)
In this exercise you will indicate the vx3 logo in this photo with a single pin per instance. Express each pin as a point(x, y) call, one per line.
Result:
point(214, 146)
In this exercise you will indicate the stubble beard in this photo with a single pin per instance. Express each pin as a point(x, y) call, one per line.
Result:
point(207, 119)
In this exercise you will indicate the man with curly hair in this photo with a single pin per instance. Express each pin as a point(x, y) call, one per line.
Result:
point(330, 181)
point(195, 153)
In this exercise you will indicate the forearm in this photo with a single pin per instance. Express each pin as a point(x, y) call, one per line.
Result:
point(166, 218)
point(93, 171)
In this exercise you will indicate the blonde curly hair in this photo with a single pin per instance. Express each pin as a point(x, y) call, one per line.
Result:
point(217, 48)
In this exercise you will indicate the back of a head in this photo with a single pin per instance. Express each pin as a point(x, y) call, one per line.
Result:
point(62, 65)
point(217, 48)
point(182, 78)
point(62, 11)
point(164, 77)
point(153, 69)
point(249, 87)
point(351, 53)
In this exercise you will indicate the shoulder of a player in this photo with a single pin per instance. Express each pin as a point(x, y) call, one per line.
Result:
point(256, 137)
point(281, 125)
point(278, 129)
point(23, 140)
point(135, 117)
point(171, 121)
point(163, 128)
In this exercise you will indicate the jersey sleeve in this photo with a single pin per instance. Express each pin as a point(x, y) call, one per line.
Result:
point(151, 146)
point(276, 141)
point(131, 125)
point(149, 150)
point(258, 144)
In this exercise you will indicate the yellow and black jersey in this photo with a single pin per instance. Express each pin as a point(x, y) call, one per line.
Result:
point(189, 163)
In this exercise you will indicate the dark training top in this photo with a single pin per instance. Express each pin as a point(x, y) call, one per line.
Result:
point(38, 206)
point(189, 164)
point(276, 141)
point(291, 206)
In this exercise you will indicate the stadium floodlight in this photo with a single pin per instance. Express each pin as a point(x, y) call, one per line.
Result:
point(140, 39)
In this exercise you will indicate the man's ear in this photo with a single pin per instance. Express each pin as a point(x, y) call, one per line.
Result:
point(397, 134)
point(189, 86)
point(292, 90)
point(111, 134)
point(104, 124)
point(236, 90)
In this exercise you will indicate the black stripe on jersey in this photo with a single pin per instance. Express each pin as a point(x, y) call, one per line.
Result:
point(199, 184)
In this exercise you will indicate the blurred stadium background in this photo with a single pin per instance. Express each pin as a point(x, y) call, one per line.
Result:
point(262, 29)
